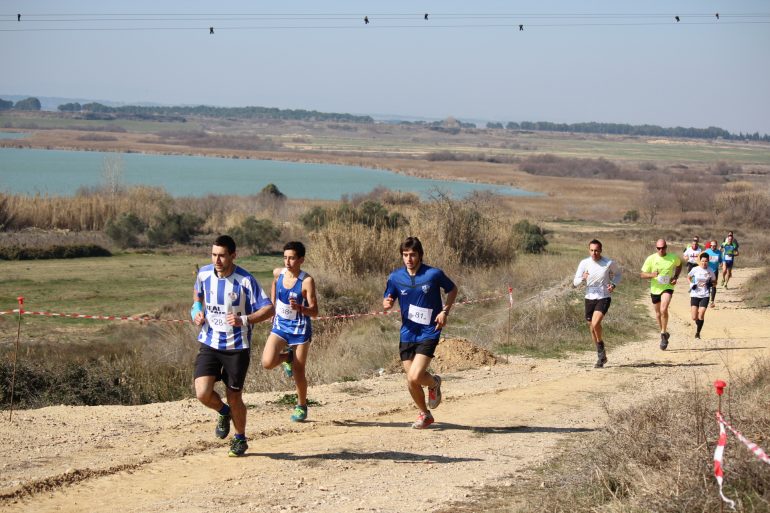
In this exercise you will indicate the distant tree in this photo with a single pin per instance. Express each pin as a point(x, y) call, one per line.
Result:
point(30, 103)
point(272, 191)
point(70, 107)
point(5, 104)
point(512, 125)
point(170, 227)
point(491, 124)
point(96, 107)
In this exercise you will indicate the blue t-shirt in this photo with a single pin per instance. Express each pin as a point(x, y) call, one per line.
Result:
point(715, 258)
point(419, 297)
point(288, 320)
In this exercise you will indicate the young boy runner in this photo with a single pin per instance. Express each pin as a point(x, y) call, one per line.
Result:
point(729, 252)
point(692, 252)
point(601, 275)
point(702, 279)
point(294, 295)
point(227, 300)
point(418, 289)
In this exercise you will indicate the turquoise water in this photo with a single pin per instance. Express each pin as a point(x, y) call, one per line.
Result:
point(12, 135)
point(56, 172)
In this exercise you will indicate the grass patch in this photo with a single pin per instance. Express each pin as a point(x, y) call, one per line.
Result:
point(757, 291)
point(291, 400)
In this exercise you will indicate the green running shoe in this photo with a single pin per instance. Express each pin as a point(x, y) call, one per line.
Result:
point(238, 447)
point(299, 414)
point(223, 427)
point(287, 364)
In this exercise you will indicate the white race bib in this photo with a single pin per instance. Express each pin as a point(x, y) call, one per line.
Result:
point(217, 321)
point(596, 290)
point(728, 258)
point(419, 315)
point(284, 311)
point(664, 280)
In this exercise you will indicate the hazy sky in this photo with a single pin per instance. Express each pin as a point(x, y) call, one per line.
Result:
point(572, 62)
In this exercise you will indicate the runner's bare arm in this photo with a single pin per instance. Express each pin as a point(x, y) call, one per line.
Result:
point(308, 291)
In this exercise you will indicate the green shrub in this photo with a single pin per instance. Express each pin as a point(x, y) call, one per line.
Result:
point(124, 230)
point(51, 252)
point(256, 234)
point(169, 227)
point(529, 237)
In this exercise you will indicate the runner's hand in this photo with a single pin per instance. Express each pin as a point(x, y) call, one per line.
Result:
point(441, 319)
point(199, 318)
point(233, 320)
point(387, 303)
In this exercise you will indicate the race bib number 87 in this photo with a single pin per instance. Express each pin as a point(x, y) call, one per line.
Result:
point(419, 315)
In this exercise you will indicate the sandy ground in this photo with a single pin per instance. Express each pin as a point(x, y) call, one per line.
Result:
point(357, 451)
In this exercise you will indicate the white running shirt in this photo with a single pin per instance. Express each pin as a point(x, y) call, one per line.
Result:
point(601, 274)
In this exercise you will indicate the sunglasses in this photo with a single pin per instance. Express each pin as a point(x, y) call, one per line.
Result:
point(664, 247)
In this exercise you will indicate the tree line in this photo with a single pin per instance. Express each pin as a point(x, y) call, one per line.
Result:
point(593, 127)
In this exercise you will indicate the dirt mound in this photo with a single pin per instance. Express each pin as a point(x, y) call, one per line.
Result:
point(454, 354)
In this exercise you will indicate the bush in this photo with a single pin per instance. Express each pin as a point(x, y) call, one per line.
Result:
point(168, 228)
point(631, 216)
point(256, 234)
point(124, 230)
point(529, 237)
point(369, 213)
point(52, 252)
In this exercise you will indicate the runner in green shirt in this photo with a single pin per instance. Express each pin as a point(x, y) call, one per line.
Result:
point(663, 271)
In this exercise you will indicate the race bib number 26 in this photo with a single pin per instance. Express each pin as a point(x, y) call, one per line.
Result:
point(419, 315)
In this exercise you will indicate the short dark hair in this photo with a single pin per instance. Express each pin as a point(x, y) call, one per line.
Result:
point(225, 241)
point(411, 243)
point(295, 246)
point(703, 255)
point(595, 241)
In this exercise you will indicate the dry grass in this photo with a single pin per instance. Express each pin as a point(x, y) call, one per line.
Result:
point(632, 468)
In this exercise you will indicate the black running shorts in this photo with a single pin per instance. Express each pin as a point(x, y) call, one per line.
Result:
point(700, 302)
point(228, 366)
point(409, 349)
point(597, 305)
point(656, 297)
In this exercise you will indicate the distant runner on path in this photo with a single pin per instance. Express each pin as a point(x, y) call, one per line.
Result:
point(729, 252)
point(715, 262)
point(418, 289)
point(601, 276)
point(294, 295)
point(692, 252)
point(702, 280)
point(663, 270)
point(227, 300)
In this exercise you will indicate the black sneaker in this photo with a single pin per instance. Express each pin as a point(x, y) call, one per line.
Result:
point(238, 447)
point(697, 335)
point(664, 341)
point(601, 356)
point(223, 426)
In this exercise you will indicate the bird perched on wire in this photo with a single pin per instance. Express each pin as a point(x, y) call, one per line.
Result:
point(717, 15)
point(676, 18)
point(211, 30)
point(426, 15)
point(521, 27)
point(366, 20)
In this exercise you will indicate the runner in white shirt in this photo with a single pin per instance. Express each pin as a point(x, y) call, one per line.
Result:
point(692, 252)
point(702, 279)
point(601, 275)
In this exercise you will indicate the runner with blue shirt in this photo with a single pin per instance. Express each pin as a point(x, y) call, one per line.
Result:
point(417, 287)
point(729, 252)
point(294, 295)
point(227, 300)
point(715, 261)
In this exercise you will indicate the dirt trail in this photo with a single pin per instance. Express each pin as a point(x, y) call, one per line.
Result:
point(357, 452)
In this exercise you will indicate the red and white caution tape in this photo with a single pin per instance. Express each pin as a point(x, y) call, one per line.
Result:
point(152, 319)
point(719, 453)
point(754, 448)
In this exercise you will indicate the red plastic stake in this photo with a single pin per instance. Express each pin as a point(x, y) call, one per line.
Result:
point(20, 299)
point(720, 388)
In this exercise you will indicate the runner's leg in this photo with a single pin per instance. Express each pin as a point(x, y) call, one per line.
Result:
point(298, 369)
point(273, 355)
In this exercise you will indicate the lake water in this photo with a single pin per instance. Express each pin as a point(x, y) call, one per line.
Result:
point(56, 172)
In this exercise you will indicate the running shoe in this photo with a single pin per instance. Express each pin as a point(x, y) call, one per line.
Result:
point(423, 420)
point(434, 394)
point(223, 426)
point(601, 360)
point(238, 447)
point(299, 414)
point(664, 341)
point(697, 335)
point(712, 304)
point(287, 364)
